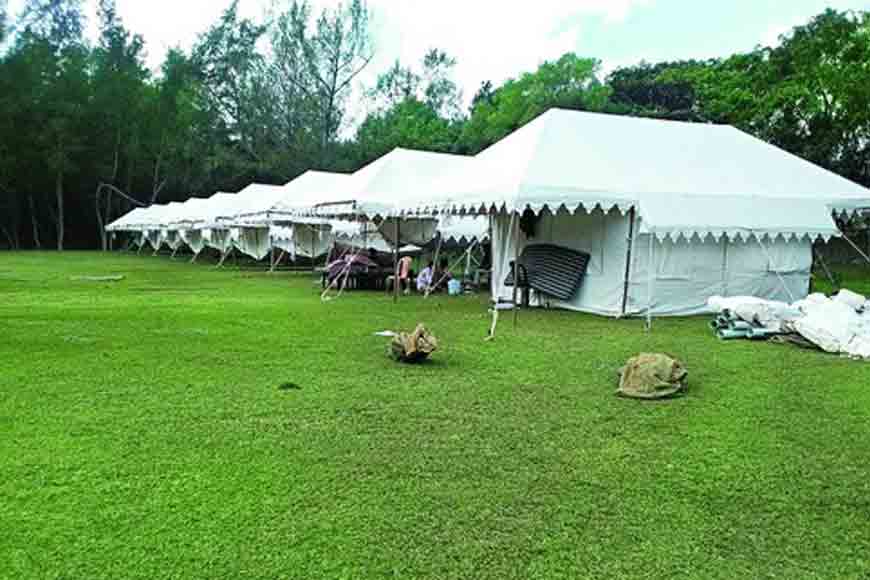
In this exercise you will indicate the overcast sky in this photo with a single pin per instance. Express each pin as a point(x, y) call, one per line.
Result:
point(498, 39)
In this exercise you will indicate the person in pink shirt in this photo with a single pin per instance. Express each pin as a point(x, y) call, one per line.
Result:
point(404, 271)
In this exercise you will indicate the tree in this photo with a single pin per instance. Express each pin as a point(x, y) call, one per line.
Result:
point(641, 90)
point(3, 8)
point(570, 82)
point(334, 53)
point(231, 75)
point(119, 79)
point(53, 36)
point(411, 124)
point(809, 96)
point(441, 92)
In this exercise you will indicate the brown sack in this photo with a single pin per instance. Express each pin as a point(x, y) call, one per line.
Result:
point(652, 376)
point(414, 347)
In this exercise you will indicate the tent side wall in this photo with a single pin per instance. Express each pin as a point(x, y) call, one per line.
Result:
point(687, 272)
point(603, 235)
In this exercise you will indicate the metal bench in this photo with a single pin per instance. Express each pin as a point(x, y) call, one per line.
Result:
point(551, 271)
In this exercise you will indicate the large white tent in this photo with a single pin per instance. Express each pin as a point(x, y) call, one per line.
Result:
point(713, 210)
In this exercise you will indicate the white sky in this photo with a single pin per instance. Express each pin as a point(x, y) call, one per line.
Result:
point(497, 39)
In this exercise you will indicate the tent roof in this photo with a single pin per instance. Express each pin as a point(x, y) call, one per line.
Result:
point(309, 189)
point(128, 220)
point(248, 201)
point(568, 160)
point(380, 187)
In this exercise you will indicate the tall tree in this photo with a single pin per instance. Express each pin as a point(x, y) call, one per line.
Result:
point(3, 9)
point(336, 50)
point(119, 79)
point(641, 90)
point(52, 32)
point(570, 82)
point(231, 75)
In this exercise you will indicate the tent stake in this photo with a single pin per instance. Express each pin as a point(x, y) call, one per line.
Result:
point(630, 242)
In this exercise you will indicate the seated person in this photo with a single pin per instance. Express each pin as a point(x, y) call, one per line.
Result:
point(424, 279)
point(403, 273)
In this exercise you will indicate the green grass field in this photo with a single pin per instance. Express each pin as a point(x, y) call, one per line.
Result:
point(144, 434)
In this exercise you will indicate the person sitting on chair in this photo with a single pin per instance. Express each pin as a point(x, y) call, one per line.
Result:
point(404, 273)
point(424, 279)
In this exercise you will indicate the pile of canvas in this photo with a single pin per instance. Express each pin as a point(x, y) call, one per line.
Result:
point(839, 325)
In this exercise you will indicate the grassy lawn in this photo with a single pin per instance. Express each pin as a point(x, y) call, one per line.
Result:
point(143, 434)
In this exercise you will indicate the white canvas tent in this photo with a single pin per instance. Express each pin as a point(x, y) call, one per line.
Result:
point(713, 210)
point(372, 194)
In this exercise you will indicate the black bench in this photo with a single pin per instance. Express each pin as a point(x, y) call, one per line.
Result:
point(550, 270)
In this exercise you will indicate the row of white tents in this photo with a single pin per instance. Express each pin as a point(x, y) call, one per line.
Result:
point(671, 213)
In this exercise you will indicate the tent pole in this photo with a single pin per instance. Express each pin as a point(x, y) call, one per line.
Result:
point(195, 256)
point(776, 271)
point(435, 264)
point(651, 269)
point(224, 257)
point(516, 269)
point(313, 242)
point(857, 249)
point(396, 281)
point(630, 243)
point(175, 251)
point(271, 253)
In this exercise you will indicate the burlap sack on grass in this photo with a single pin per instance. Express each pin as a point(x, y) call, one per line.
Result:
point(415, 347)
point(652, 376)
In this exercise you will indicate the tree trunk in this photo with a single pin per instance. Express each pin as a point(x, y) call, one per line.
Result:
point(34, 223)
point(58, 192)
point(101, 222)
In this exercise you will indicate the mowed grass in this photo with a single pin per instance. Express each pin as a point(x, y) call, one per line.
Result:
point(144, 433)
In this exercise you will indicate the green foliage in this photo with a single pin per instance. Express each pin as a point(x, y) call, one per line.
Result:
point(146, 434)
point(268, 101)
point(642, 91)
point(411, 124)
point(570, 83)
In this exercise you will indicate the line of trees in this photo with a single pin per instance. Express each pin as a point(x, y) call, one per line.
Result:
point(87, 131)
